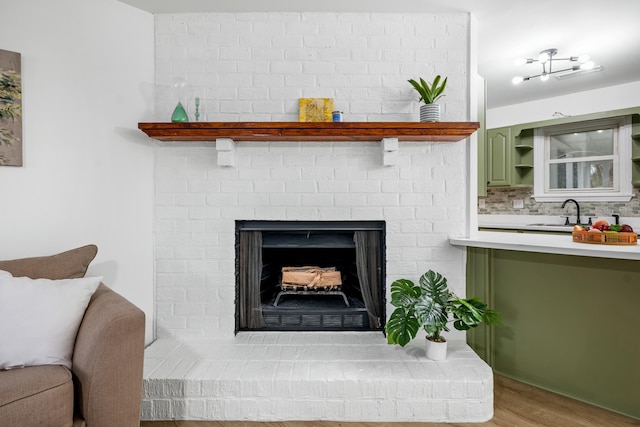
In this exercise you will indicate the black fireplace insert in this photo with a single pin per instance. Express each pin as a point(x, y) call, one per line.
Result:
point(354, 300)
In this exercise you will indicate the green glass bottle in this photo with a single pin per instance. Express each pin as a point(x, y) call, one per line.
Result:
point(179, 114)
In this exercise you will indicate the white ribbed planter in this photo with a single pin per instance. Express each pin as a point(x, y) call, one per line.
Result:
point(430, 113)
point(435, 350)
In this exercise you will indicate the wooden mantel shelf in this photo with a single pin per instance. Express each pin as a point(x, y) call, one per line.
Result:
point(305, 131)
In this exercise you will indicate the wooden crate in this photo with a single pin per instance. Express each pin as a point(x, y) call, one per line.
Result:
point(605, 238)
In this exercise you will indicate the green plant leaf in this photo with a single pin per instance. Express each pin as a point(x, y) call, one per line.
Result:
point(461, 326)
point(435, 285)
point(435, 82)
point(472, 309)
point(404, 293)
point(492, 317)
point(438, 91)
point(469, 313)
point(428, 95)
point(402, 327)
point(419, 89)
point(431, 308)
point(431, 315)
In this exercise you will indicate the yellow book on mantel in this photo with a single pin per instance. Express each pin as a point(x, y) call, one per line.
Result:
point(316, 109)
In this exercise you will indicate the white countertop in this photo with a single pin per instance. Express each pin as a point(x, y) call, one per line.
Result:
point(560, 243)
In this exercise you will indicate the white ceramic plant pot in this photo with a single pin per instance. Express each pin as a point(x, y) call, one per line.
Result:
point(436, 350)
point(430, 113)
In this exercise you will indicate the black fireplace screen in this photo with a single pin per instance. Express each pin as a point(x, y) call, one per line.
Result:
point(354, 248)
point(249, 274)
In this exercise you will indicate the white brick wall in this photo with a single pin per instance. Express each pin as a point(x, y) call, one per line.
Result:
point(254, 67)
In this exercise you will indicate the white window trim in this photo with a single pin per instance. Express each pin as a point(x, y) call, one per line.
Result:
point(625, 192)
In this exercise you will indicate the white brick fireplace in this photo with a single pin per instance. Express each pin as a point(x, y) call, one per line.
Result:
point(254, 67)
point(421, 202)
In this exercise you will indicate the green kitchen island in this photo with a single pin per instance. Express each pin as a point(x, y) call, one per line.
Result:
point(571, 314)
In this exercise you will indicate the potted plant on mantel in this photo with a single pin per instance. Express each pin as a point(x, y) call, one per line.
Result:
point(429, 306)
point(429, 94)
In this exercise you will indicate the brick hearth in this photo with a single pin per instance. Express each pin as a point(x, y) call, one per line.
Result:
point(341, 376)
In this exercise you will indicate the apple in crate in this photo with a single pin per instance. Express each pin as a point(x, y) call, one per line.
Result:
point(626, 228)
point(601, 224)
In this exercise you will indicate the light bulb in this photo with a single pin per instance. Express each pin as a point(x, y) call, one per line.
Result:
point(517, 80)
point(520, 61)
point(583, 58)
point(544, 77)
point(587, 65)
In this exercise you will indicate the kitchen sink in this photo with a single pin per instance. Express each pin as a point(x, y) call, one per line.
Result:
point(541, 226)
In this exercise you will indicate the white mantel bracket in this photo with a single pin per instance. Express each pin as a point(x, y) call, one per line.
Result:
point(226, 148)
point(390, 149)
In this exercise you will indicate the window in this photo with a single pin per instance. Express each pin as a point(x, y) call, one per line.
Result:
point(587, 161)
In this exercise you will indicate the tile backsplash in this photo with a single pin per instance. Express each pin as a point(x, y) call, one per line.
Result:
point(499, 201)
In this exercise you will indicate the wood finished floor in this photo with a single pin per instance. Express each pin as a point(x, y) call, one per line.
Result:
point(516, 404)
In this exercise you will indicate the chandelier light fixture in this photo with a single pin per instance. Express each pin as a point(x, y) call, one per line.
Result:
point(549, 62)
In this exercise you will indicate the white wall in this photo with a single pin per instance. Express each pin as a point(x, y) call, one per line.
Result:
point(592, 101)
point(87, 76)
point(254, 67)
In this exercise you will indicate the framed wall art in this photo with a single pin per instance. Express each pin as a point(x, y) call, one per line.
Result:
point(315, 109)
point(10, 109)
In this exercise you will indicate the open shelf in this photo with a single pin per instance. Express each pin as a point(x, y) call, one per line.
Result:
point(306, 131)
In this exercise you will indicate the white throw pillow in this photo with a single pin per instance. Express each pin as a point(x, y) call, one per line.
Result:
point(39, 319)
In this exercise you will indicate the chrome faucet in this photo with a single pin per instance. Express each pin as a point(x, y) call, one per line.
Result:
point(577, 212)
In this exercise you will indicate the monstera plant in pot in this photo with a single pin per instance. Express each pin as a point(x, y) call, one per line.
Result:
point(429, 94)
point(430, 305)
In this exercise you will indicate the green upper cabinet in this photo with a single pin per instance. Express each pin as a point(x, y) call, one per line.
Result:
point(509, 157)
point(498, 157)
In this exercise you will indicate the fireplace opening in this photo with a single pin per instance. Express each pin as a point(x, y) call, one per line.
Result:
point(310, 275)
